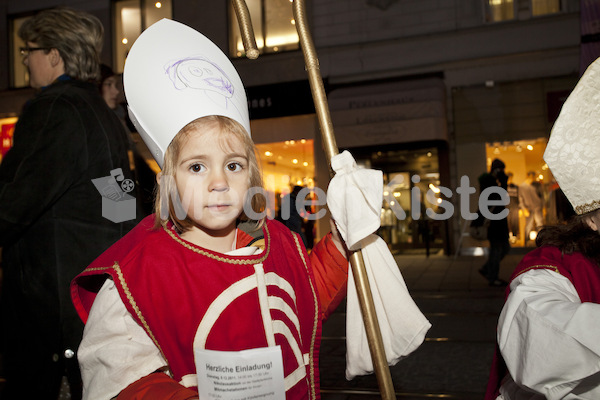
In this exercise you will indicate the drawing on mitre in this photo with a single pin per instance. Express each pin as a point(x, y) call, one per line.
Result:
point(199, 73)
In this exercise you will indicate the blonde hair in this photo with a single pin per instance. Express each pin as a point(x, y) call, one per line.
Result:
point(76, 35)
point(167, 188)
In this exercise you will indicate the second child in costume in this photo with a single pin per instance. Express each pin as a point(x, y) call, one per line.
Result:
point(207, 271)
point(548, 330)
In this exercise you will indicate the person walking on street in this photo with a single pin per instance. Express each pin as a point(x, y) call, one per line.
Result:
point(498, 228)
point(290, 215)
point(513, 209)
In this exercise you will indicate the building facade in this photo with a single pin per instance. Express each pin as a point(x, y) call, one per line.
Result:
point(428, 91)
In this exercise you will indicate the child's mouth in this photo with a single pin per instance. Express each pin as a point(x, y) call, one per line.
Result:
point(218, 207)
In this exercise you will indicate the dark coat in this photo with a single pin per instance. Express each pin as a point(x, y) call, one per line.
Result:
point(51, 225)
point(498, 229)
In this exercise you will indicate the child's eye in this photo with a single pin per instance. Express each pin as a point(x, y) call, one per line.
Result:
point(234, 166)
point(197, 168)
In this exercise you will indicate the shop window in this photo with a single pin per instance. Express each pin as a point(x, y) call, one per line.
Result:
point(7, 126)
point(20, 75)
point(285, 165)
point(500, 10)
point(409, 174)
point(506, 10)
point(525, 166)
point(544, 7)
point(131, 17)
point(273, 23)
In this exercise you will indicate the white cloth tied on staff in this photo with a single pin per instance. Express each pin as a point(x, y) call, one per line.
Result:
point(354, 198)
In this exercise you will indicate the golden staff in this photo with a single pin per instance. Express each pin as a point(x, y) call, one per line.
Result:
point(361, 279)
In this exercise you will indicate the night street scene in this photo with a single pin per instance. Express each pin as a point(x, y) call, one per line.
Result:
point(300, 199)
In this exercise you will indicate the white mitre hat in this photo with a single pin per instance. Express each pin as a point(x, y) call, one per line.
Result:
point(174, 75)
point(573, 151)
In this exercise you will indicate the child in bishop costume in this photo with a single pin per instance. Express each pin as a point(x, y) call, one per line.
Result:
point(547, 343)
point(206, 277)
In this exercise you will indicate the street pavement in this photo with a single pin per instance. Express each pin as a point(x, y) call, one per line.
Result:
point(454, 360)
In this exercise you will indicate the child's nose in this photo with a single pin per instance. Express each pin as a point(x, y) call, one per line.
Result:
point(218, 182)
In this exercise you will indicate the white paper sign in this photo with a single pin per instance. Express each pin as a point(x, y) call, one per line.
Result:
point(240, 375)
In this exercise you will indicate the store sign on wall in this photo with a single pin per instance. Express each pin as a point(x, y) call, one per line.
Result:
point(280, 100)
point(7, 126)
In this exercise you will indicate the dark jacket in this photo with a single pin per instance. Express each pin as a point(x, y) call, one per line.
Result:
point(498, 229)
point(51, 224)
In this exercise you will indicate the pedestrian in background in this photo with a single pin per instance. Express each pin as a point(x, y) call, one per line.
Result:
point(51, 224)
point(513, 209)
point(498, 228)
point(289, 209)
point(548, 329)
point(145, 178)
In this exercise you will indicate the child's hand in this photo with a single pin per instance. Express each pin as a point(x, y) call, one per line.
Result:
point(337, 239)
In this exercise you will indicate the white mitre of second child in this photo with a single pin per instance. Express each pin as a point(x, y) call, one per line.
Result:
point(573, 151)
point(174, 75)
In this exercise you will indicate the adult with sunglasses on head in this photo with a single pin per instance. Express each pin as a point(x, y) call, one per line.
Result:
point(51, 223)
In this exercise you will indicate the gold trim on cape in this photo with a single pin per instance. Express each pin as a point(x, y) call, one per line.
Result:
point(315, 320)
point(540, 266)
point(132, 302)
point(198, 250)
point(230, 259)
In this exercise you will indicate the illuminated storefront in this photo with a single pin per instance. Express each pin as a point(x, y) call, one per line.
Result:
point(525, 166)
point(410, 171)
point(285, 165)
point(400, 128)
point(7, 127)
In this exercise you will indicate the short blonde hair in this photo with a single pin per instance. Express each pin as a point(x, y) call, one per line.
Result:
point(167, 187)
point(77, 35)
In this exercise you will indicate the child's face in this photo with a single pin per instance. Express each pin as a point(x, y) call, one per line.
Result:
point(212, 177)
